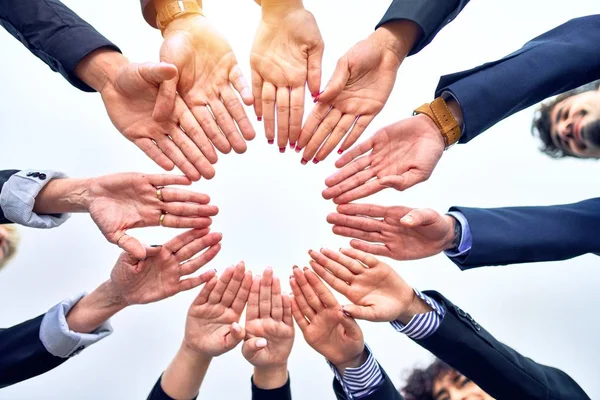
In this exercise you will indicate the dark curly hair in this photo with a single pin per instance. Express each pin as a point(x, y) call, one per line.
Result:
point(541, 126)
point(419, 385)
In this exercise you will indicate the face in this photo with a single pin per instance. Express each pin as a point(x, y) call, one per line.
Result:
point(575, 124)
point(455, 386)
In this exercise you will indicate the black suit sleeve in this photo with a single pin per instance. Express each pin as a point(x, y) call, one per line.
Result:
point(498, 369)
point(430, 15)
point(22, 354)
point(282, 393)
point(5, 176)
point(386, 391)
point(53, 33)
point(158, 393)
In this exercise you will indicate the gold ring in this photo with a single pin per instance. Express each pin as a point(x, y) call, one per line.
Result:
point(162, 219)
point(159, 193)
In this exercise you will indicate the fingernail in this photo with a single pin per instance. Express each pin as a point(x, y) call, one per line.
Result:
point(295, 267)
point(282, 149)
point(408, 219)
point(261, 343)
point(259, 119)
point(292, 145)
point(236, 327)
point(346, 313)
point(268, 269)
point(340, 151)
point(305, 269)
point(156, 245)
point(215, 270)
point(270, 141)
point(316, 99)
point(303, 162)
point(298, 149)
point(315, 161)
point(291, 277)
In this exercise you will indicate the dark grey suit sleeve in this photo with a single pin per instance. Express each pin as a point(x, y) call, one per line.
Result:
point(430, 15)
point(5, 176)
point(53, 33)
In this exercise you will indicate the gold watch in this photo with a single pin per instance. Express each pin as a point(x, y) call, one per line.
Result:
point(441, 115)
point(176, 9)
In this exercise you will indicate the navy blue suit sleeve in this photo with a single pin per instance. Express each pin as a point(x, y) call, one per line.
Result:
point(559, 60)
point(514, 235)
point(53, 33)
point(158, 393)
point(498, 369)
point(282, 393)
point(386, 391)
point(430, 15)
point(4, 176)
point(22, 354)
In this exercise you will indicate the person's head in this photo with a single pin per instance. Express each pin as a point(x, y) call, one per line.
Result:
point(9, 240)
point(569, 125)
point(440, 381)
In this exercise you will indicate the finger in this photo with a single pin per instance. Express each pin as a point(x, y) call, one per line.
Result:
point(299, 316)
point(225, 122)
point(336, 283)
point(353, 182)
point(197, 245)
point(186, 237)
point(404, 181)
point(348, 171)
point(189, 210)
point(354, 264)
point(132, 246)
point(237, 332)
point(176, 155)
point(364, 258)
point(283, 117)
point(365, 224)
point(320, 289)
point(153, 251)
point(236, 77)
point(276, 300)
point(349, 324)
point(236, 110)
point(167, 179)
point(359, 192)
point(315, 57)
point(174, 221)
point(336, 269)
point(286, 304)
point(180, 195)
point(309, 294)
point(264, 306)
point(202, 297)
point(254, 345)
point(375, 249)
point(239, 273)
point(217, 293)
point(359, 312)
point(150, 148)
point(318, 114)
point(420, 217)
point(233, 338)
point(257, 85)
point(242, 295)
point(191, 152)
point(165, 100)
point(322, 133)
point(252, 311)
point(355, 152)
point(268, 100)
point(296, 114)
point(194, 282)
point(337, 82)
point(336, 136)
point(195, 132)
point(300, 300)
point(193, 265)
point(157, 73)
point(357, 130)
point(371, 210)
point(210, 127)
point(358, 234)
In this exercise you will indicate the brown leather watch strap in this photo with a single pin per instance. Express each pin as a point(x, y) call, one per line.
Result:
point(439, 112)
point(176, 9)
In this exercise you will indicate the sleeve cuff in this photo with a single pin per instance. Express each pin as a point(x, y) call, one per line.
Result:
point(361, 381)
point(466, 239)
point(422, 325)
point(62, 342)
point(17, 199)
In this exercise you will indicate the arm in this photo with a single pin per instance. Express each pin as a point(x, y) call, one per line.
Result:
point(561, 59)
point(53, 33)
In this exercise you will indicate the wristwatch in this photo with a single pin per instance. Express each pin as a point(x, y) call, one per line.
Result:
point(441, 115)
point(176, 9)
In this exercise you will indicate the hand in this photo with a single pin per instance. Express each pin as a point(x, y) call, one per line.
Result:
point(286, 54)
point(401, 155)
point(359, 88)
point(322, 321)
point(162, 273)
point(379, 294)
point(120, 202)
point(129, 92)
point(405, 233)
point(269, 325)
point(207, 70)
point(212, 327)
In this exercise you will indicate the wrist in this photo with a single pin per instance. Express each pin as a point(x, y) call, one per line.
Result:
point(63, 195)
point(95, 308)
point(100, 67)
point(353, 362)
point(415, 306)
point(454, 234)
point(455, 110)
point(184, 375)
point(279, 8)
point(399, 37)
point(270, 377)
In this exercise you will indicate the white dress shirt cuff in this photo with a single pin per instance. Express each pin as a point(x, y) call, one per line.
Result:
point(422, 325)
point(361, 381)
point(17, 199)
point(466, 238)
point(61, 341)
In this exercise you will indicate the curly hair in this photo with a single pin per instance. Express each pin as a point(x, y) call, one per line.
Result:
point(541, 126)
point(419, 385)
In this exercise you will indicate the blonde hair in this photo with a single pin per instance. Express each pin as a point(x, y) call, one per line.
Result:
point(12, 238)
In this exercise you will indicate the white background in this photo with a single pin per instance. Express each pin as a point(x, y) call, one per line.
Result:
point(272, 211)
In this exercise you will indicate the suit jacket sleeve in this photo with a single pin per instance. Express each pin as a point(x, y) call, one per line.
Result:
point(158, 393)
point(5, 176)
point(386, 391)
point(53, 33)
point(430, 15)
point(528, 234)
point(498, 369)
point(282, 393)
point(559, 60)
point(23, 353)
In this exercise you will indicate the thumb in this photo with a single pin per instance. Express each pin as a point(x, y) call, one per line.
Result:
point(253, 346)
point(349, 324)
point(165, 100)
point(236, 335)
point(357, 312)
point(132, 246)
point(402, 182)
point(336, 83)
point(420, 217)
point(157, 73)
point(315, 57)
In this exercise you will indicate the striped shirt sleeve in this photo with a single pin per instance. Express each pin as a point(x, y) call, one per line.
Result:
point(361, 381)
point(422, 325)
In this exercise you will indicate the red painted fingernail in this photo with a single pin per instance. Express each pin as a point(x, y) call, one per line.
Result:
point(259, 119)
point(295, 267)
point(303, 162)
point(282, 149)
point(271, 141)
point(292, 145)
point(305, 269)
point(316, 99)
point(317, 95)
point(346, 313)
point(340, 151)
point(315, 161)
point(298, 149)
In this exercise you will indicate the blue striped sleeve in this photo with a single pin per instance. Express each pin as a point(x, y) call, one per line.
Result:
point(361, 381)
point(422, 325)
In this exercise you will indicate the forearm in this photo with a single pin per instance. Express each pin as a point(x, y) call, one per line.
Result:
point(95, 309)
point(100, 67)
point(184, 375)
point(63, 196)
point(399, 36)
point(279, 8)
point(270, 377)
